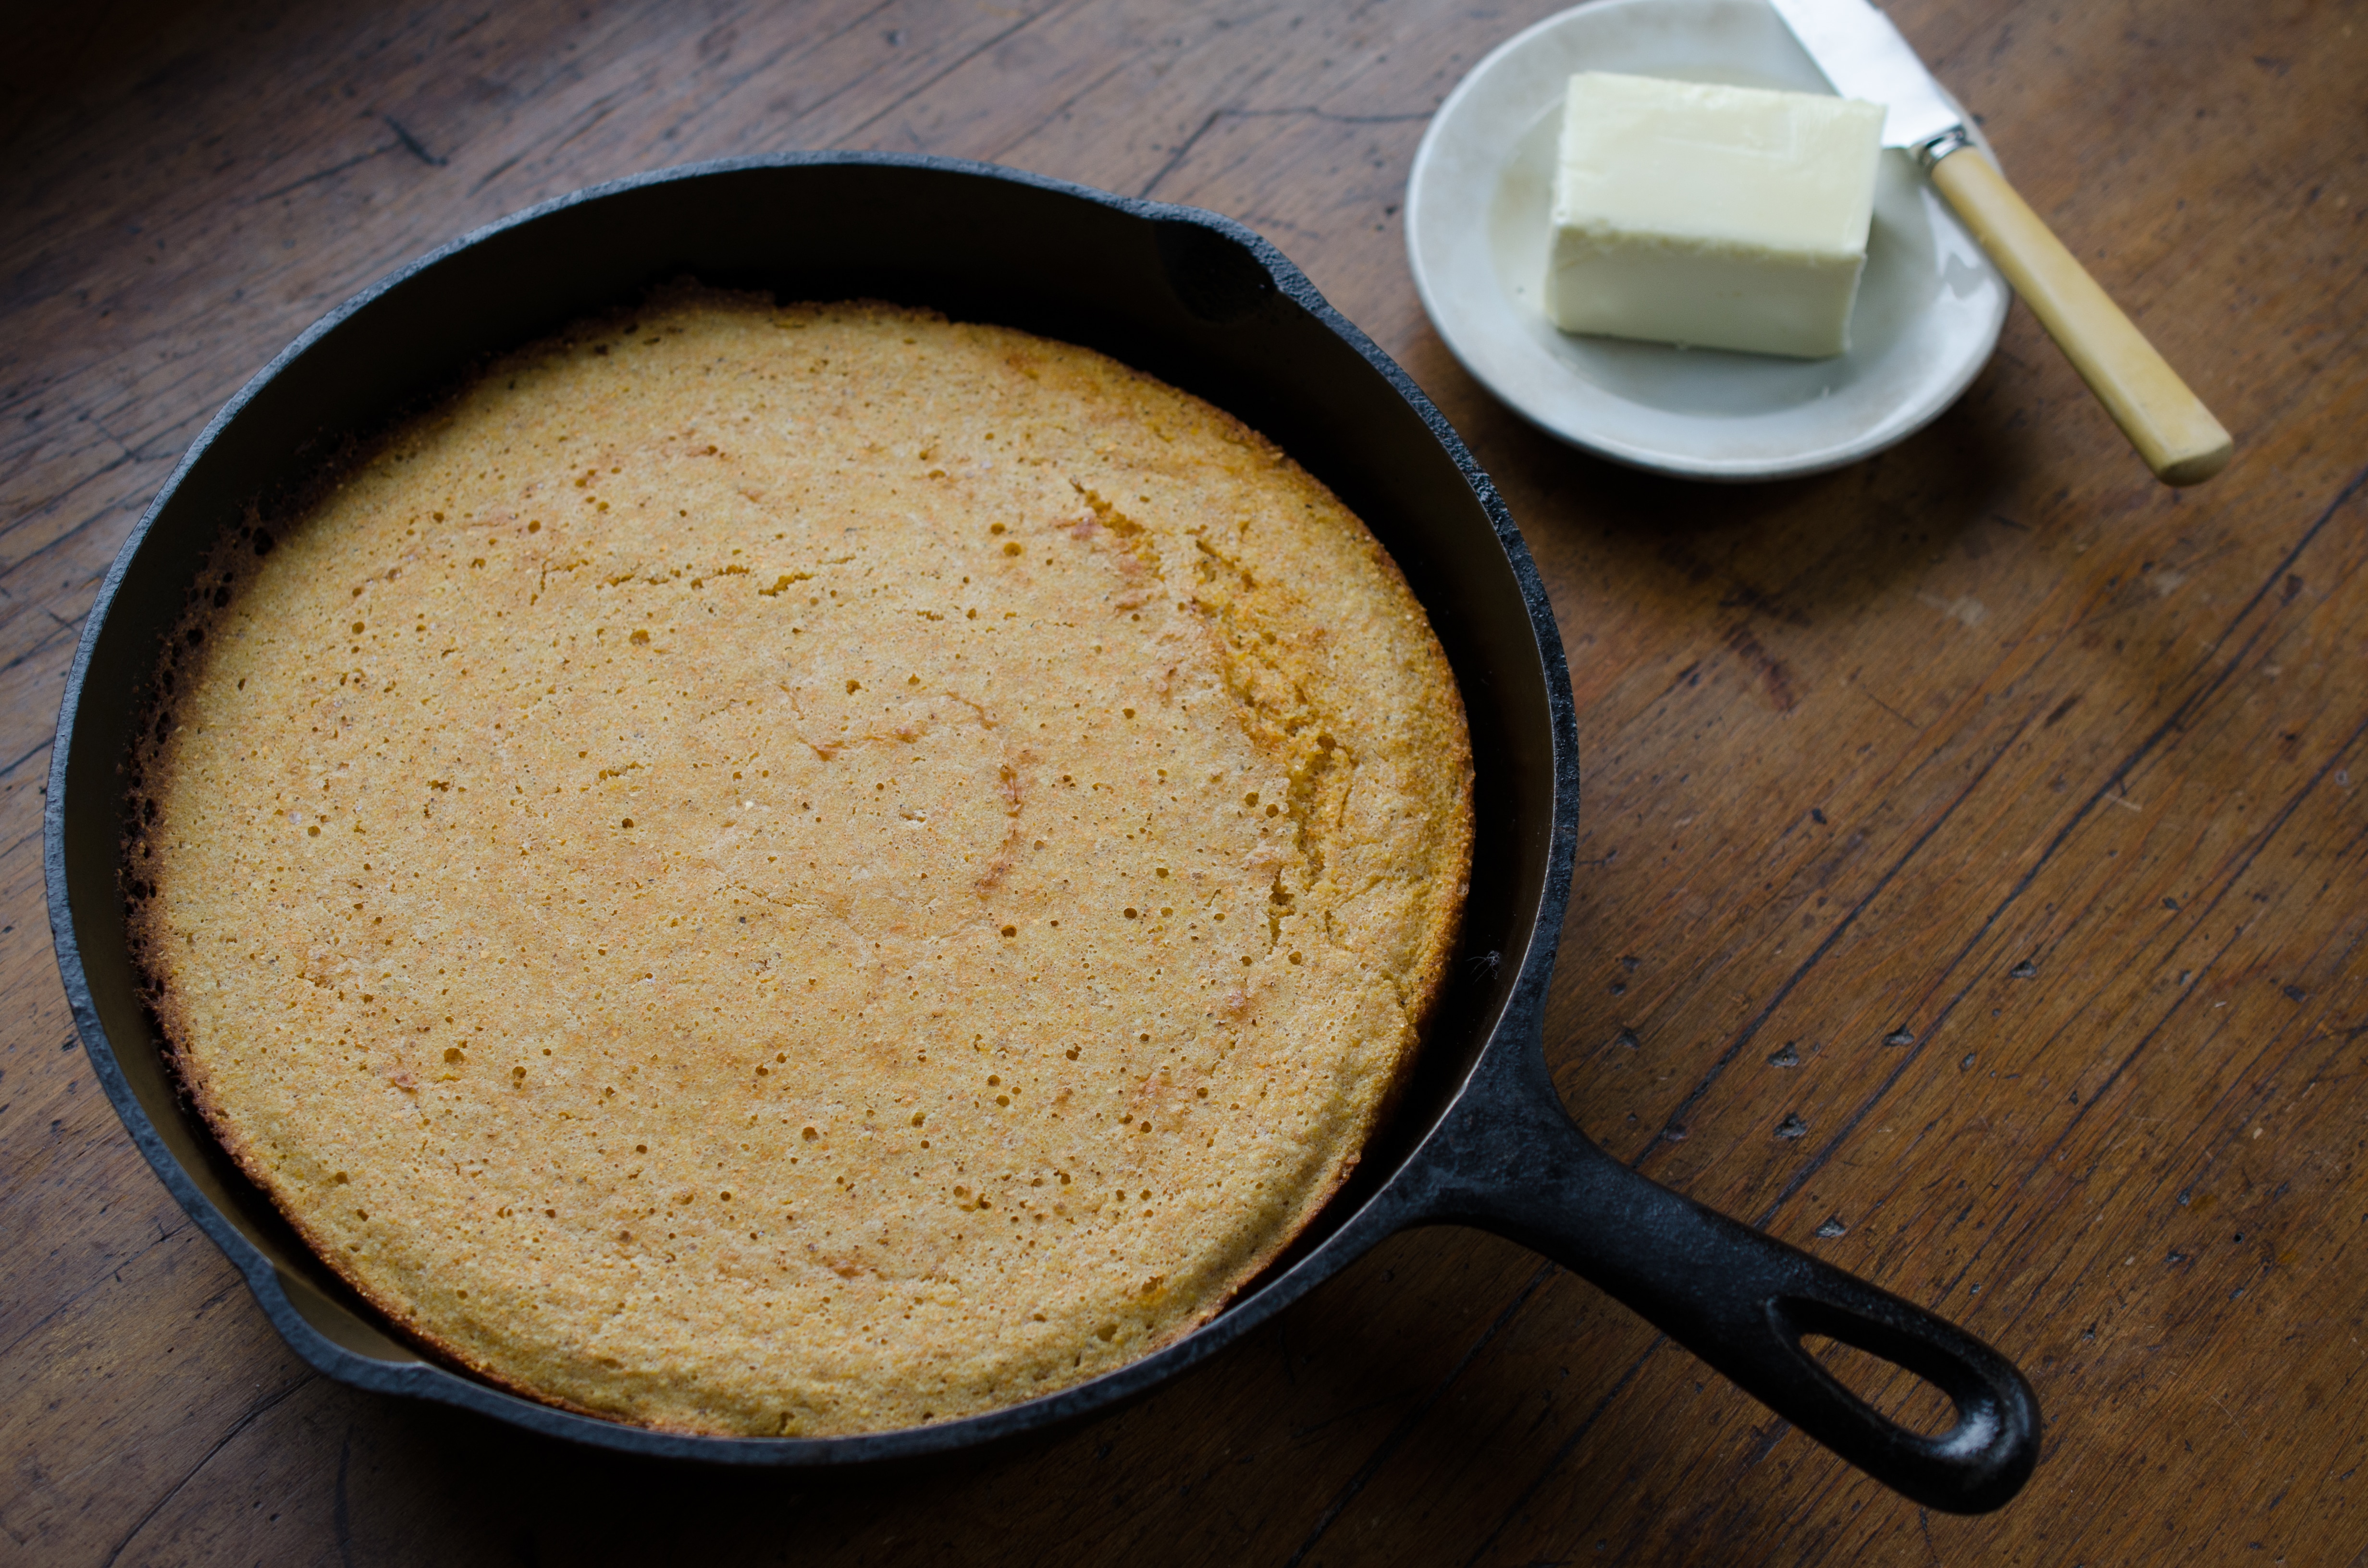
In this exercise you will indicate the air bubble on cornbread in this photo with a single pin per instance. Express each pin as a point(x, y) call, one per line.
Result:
point(542, 819)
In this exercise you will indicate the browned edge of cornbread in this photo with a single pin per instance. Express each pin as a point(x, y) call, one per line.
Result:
point(184, 656)
point(233, 559)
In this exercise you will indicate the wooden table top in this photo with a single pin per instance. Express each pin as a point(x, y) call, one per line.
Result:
point(1973, 838)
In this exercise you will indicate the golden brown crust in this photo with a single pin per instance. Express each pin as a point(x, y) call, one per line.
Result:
point(697, 1082)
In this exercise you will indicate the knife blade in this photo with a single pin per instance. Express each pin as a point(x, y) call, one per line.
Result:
point(1862, 55)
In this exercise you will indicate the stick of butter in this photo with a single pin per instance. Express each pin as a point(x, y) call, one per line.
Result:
point(1715, 216)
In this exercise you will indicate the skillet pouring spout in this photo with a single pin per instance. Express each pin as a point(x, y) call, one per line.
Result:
point(1510, 1160)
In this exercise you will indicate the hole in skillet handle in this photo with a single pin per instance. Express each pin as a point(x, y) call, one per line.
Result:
point(1214, 277)
point(1508, 1159)
point(1984, 1404)
point(1741, 1301)
point(1920, 1406)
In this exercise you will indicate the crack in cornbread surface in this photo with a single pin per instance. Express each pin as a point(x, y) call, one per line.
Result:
point(802, 870)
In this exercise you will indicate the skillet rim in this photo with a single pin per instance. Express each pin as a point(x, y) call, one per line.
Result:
point(1394, 1204)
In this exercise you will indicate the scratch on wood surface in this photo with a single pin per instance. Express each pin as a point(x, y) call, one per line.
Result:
point(253, 1413)
point(411, 144)
point(319, 175)
point(1886, 707)
point(1218, 116)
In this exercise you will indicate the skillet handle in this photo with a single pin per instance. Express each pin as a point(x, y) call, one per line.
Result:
point(1734, 1296)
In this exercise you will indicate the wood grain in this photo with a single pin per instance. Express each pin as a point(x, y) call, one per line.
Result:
point(1973, 889)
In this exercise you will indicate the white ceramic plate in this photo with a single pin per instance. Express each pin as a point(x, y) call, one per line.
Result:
point(1929, 304)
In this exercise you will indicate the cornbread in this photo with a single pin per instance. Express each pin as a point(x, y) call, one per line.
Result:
point(801, 869)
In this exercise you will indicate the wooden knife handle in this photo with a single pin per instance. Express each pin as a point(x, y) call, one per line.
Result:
point(2167, 424)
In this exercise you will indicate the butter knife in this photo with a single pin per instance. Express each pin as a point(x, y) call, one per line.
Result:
point(1864, 57)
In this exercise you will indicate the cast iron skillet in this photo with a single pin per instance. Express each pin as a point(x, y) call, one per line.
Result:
point(1480, 1136)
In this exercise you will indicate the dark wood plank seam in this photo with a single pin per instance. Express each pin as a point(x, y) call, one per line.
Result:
point(799, 46)
point(465, 28)
point(1901, 1379)
point(2276, 578)
point(22, 840)
point(571, 71)
point(2251, 1075)
point(34, 509)
point(2250, 853)
point(1018, 27)
point(1299, 1434)
point(2046, 1154)
point(1886, 707)
point(55, 385)
point(1830, 1475)
point(102, 514)
point(46, 741)
point(498, 170)
point(1413, 1418)
point(2146, 747)
point(2249, 1080)
point(1830, 1146)
point(1677, 1118)
point(600, 109)
point(317, 175)
point(113, 1272)
point(50, 639)
point(1065, 104)
point(166, 442)
point(136, 504)
point(1563, 1452)
point(241, 1425)
point(2001, 1224)
point(212, 386)
point(341, 1521)
point(1825, 1154)
point(1184, 148)
point(1826, 1150)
